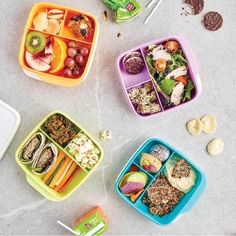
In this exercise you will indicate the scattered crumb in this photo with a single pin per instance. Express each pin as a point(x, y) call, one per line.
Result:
point(118, 35)
point(105, 15)
point(105, 135)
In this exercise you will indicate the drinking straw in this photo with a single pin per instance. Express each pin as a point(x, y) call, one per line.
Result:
point(150, 3)
point(68, 228)
point(152, 12)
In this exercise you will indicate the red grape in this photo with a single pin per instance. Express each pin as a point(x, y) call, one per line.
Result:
point(71, 44)
point(71, 52)
point(80, 60)
point(76, 71)
point(69, 62)
point(84, 51)
point(67, 72)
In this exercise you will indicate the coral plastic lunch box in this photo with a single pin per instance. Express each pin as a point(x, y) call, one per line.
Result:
point(131, 81)
point(65, 35)
point(36, 181)
point(186, 202)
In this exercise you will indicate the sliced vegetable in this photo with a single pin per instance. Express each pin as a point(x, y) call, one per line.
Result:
point(64, 173)
point(134, 197)
point(66, 177)
point(172, 46)
point(160, 65)
point(75, 173)
point(58, 161)
point(59, 173)
point(183, 80)
point(167, 86)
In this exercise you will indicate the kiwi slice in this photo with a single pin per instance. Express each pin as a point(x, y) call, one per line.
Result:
point(35, 42)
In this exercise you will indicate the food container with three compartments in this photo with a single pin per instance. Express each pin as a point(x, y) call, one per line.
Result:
point(188, 198)
point(159, 76)
point(58, 156)
point(58, 44)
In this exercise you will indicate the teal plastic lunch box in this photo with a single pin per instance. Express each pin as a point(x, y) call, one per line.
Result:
point(187, 201)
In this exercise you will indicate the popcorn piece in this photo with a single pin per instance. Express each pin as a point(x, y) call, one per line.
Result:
point(105, 135)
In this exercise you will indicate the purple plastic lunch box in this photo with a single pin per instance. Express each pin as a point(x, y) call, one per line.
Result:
point(130, 81)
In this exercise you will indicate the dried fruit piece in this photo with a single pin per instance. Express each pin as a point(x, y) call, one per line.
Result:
point(53, 26)
point(194, 127)
point(40, 21)
point(209, 124)
point(215, 147)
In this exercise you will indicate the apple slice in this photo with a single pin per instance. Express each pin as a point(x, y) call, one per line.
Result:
point(37, 63)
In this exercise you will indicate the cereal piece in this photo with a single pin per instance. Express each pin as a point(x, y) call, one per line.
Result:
point(105, 135)
point(215, 147)
point(209, 124)
point(181, 169)
point(194, 127)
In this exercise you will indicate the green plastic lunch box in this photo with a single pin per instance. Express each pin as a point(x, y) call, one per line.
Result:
point(36, 181)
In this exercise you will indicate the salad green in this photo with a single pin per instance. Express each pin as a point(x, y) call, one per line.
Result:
point(169, 55)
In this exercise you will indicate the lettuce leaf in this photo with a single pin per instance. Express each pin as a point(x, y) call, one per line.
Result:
point(188, 90)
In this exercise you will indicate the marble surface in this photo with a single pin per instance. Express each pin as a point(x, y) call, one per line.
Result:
point(99, 103)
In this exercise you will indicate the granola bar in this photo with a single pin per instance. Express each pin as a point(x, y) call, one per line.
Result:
point(162, 197)
point(181, 169)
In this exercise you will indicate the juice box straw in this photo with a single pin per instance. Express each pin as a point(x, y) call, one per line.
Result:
point(151, 3)
point(152, 12)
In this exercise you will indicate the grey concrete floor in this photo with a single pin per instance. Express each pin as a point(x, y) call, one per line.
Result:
point(99, 103)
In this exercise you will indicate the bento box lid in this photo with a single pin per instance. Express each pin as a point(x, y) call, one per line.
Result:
point(9, 123)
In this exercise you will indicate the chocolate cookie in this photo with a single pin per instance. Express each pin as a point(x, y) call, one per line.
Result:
point(130, 55)
point(196, 5)
point(134, 65)
point(213, 21)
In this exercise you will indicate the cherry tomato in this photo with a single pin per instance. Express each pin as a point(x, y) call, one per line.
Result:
point(182, 79)
point(172, 46)
point(134, 168)
point(160, 65)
